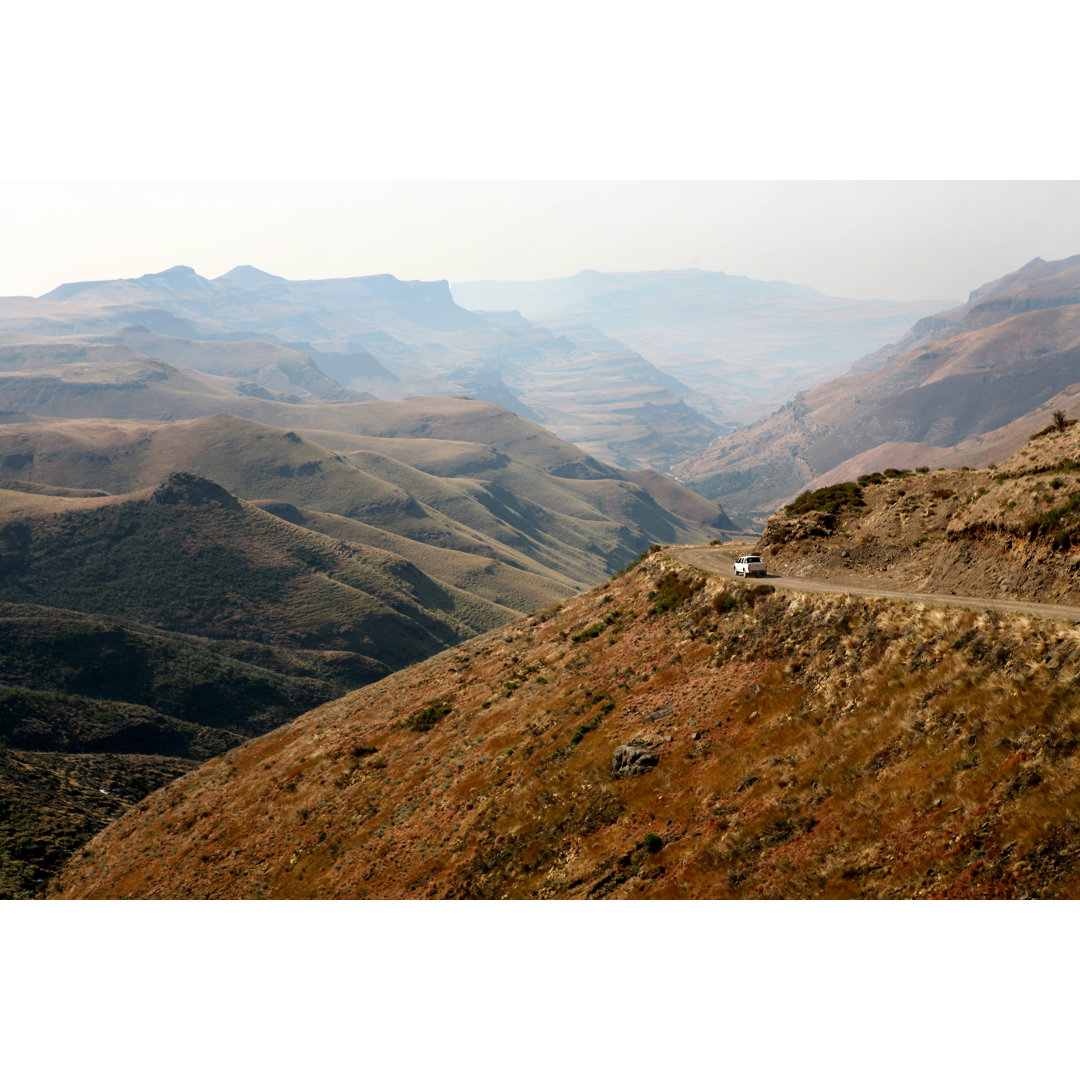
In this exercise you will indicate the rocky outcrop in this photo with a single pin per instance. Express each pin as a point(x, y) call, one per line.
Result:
point(631, 760)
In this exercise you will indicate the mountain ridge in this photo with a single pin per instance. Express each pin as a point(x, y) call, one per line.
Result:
point(972, 379)
point(669, 736)
point(377, 335)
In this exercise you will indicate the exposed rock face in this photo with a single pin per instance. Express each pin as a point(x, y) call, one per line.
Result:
point(630, 760)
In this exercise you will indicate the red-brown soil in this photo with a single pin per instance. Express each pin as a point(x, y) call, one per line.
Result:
point(808, 746)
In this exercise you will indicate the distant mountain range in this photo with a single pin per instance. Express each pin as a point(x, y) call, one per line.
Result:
point(744, 346)
point(642, 370)
point(965, 386)
point(354, 338)
point(212, 518)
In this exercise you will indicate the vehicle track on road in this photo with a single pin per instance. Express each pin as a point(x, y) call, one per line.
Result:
point(719, 561)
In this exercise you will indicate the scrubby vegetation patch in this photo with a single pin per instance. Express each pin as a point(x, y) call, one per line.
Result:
point(672, 591)
point(826, 500)
point(426, 718)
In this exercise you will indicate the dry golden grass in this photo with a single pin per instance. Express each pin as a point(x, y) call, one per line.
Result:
point(809, 747)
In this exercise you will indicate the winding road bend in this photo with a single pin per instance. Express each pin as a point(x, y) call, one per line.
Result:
point(719, 561)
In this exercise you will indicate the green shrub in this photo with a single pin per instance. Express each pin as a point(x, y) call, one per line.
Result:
point(583, 729)
point(672, 591)
point(826, 500)
point(427, 717)
point(723, 602)
point(652, 842)
point(1058, 424)
point(1054, 521)
point(597, 629)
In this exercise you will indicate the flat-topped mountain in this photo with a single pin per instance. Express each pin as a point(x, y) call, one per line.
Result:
point(966, 386)
point(354, 338)
point(247, 298)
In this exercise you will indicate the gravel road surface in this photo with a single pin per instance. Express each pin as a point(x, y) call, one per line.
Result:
point(719, 561)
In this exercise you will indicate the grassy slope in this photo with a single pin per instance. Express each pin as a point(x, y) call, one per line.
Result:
point(808, 747)
point(561, 526)
point(194, 559)
point(481, 574)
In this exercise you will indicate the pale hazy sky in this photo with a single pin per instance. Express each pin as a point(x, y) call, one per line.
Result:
point(899, 239)
point(484, 140)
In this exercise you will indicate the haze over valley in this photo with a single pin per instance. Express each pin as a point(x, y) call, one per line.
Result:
point(226, 502)
point(963, 386)
point(745, 346)
point(208, 534)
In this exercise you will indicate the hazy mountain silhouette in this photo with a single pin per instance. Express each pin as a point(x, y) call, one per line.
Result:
point(966, 385)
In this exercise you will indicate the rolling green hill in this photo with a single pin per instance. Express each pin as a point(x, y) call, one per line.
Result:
point(523, 497)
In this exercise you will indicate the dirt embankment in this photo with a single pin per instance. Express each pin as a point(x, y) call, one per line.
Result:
point(1011, 531)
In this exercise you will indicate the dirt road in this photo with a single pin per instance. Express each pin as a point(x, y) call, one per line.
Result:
point(717, 560)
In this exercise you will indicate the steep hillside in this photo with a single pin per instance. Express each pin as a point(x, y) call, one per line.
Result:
point(144, 633)
point(1011, 531)
point(665, 735)
point(963, 387)
point(191, 558)
point(351, 564)
point(96, 713)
